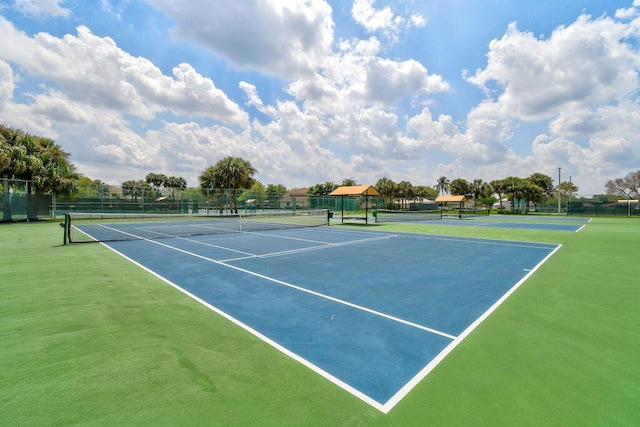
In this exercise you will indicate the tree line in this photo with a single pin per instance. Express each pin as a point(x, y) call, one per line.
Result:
point(533, 189)
point(46, 167)
point(151, 186)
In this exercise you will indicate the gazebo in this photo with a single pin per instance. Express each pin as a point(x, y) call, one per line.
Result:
point(352, 191)
point(452, 199)
point(444, 200)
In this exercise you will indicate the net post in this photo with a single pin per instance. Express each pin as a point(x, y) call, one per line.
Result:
point(65, 239)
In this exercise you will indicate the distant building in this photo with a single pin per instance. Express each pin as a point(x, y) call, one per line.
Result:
point(297, 197)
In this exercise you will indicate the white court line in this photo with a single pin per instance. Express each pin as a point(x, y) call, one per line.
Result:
point(479, 240)
point(326, 245)
point(276, 254)
point(276, 236)
point(211, 245)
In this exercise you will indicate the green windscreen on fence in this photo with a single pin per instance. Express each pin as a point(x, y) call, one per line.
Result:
point(30, 207)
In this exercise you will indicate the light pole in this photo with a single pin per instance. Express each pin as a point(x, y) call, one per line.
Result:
point(559, 194)
point(569, 195)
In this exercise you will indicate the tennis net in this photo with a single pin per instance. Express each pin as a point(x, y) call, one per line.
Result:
point(473, 212)
point(384, 215)
point(465, 213)
point(98, 227)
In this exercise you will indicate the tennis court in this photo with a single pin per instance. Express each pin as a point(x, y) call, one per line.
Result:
point(470, 219)
point(372, 312)
point(534, 224)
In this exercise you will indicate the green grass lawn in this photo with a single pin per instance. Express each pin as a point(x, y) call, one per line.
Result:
point(89, 338)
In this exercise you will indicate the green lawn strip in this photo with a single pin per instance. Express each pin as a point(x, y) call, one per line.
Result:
point(562, 350)
point(89, 338)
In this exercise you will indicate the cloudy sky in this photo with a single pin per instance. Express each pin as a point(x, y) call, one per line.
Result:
point(313, 91)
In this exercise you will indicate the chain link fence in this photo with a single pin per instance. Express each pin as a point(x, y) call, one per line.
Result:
point(19, 203)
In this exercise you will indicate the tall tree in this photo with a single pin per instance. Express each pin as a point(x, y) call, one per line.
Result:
point(135, 189)
point(426, 192)
point(102, 189)
point(38, 160)
point(514, 189)
point(322, 189)
point(230, 174)
point(254, 196)
point(57, 174)
point(158, 180)
point(388, 190)
point(629, 186)
point(545, 182)
point(498, 188)
point(406, 192)
point(477, 189)
point(443, 185)
point(348, 182)
point(275, 192)
point(531, 193)
point(460, 187)
point(175, 183)
point(568, 188)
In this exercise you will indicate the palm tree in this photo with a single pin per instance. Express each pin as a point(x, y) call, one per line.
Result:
point(444, 185)
point(514, 188)
point(157, 180)
point(498, 186)
point(388, 190)
point(406, 192)
point(175, 183)
point(322, 189)
point(231, 174)
point(531, 193)
point(6, 134)
point(57, 174)
point(38, 161)
point(477, 189)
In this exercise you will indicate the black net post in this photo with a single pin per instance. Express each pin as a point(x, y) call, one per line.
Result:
point(65, 225)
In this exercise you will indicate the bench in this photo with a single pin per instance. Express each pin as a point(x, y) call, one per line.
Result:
point(355, 218)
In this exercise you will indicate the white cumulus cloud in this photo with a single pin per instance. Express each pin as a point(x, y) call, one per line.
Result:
point(584, 64)
point(51, 8)
point(385, 21)
point(279, 38)
point(104, 75)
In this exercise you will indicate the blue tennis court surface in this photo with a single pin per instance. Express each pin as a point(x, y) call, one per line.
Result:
point(527, 225)
point(373, 312)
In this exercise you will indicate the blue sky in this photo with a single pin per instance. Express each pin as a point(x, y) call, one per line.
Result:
point(314, 91)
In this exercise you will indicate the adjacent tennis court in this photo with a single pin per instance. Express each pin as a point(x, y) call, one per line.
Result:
point(372, 312)
point(516, 224)
point(482, 219)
